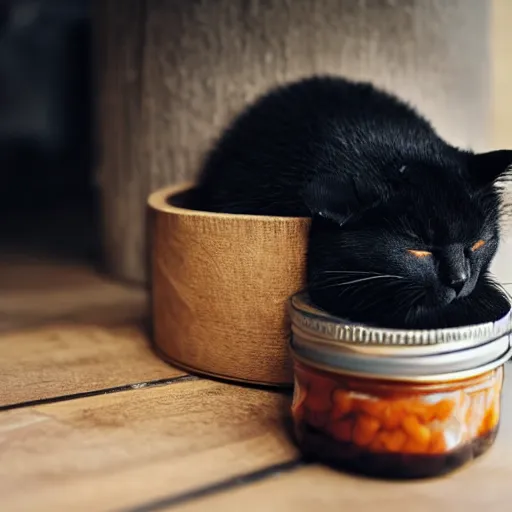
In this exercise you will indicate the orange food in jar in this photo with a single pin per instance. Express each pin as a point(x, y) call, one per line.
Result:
point(416, 431)
point(391, 440)
point(437, 442)
point(444, 409)
point(390, 418)
point(365, 429)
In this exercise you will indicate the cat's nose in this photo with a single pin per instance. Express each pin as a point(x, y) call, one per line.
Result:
point(458, 281)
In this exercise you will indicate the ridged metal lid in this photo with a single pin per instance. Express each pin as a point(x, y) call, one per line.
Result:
point(420, 355)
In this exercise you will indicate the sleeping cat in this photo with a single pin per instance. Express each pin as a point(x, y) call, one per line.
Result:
point(404, 225)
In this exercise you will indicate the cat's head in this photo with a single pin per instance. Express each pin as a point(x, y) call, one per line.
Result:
point(413, 251)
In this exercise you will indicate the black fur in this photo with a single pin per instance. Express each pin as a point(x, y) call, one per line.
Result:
point(377, 181)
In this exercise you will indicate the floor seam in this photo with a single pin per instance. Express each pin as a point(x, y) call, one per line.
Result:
point(99, 392)
point(219, 487)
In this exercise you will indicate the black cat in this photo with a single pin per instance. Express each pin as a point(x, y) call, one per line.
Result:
point(404, 226)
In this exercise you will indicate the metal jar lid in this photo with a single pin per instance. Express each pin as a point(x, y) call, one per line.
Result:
point(335, 345)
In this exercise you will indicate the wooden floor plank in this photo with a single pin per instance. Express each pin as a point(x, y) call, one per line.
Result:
point(312, 488)
point(36, 290)
point(118, 451)
point(56, 360)
point(65, 329)
point(484, 485)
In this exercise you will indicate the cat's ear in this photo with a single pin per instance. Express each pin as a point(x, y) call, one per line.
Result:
point(486, 168)
point(333, 196)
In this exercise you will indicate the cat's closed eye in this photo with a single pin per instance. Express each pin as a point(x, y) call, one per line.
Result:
point(419, 254)
point(423, 254)
point(477, 245)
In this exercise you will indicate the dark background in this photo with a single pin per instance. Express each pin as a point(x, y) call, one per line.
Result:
point(47, 193)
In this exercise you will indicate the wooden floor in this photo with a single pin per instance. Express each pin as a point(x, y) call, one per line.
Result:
point(91, 420)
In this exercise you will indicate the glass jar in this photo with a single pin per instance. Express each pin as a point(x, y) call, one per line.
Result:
point(395, 404)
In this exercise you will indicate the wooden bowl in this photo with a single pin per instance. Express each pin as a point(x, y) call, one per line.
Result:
point(220, 284)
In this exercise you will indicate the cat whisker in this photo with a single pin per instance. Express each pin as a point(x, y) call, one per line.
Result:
point(364, 279)
point(363, 302)
point(411, 294)
point(339, 276)
point(355, 272)
point(335, 281)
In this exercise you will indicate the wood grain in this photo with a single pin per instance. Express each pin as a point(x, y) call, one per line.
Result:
point(484, 485)
point(40, 290)
point(172, 74)
point(220, 289)
point(66, 329)
point(126, 449)
point(62, 359)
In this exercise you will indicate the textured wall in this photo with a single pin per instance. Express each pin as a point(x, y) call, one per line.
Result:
point(173, 73)
point(501, 65)
point(501, 109)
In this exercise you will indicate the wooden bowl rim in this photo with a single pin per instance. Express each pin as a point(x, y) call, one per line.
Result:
point(159, 201)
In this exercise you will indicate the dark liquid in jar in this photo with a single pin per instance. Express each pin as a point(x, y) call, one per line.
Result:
point(316, 446)
point(395, 430)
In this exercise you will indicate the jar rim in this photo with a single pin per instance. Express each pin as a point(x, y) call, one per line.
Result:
point(332, 344)
point(324, 326)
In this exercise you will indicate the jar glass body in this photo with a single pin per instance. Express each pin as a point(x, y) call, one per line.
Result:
point(395, 429)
